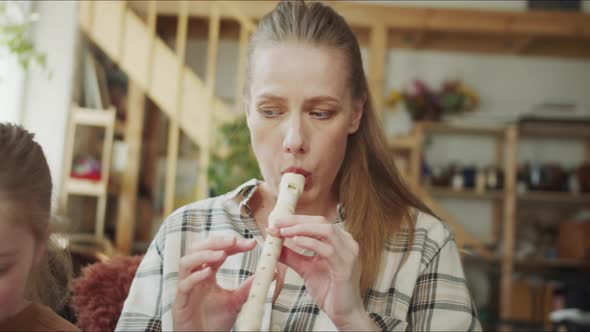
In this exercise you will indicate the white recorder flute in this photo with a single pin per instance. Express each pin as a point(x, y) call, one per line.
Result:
point(250, 317)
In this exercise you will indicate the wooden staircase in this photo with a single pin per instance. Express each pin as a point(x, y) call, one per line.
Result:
point(187, 100)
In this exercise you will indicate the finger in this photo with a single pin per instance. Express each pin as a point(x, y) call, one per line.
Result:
point(241, 245)
point(297, 262)
point(322, 249)
point(240, 295)
point(322, 232)
point(215, 242)
point(196, 261)
point(230, 243)
point(295, 219)
point(186, 285)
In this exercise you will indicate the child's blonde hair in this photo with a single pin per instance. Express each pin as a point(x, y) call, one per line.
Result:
point(25, 193)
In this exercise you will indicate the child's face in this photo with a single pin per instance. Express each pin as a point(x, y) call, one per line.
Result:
point(300, 114)
point(17, 254)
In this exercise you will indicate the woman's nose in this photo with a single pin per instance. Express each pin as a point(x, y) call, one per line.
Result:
point(294, 141)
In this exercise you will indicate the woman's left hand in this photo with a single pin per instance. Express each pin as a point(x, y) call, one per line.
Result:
point(332, 276)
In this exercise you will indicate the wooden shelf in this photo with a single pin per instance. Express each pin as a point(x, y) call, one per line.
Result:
point(557, 263)
point(555, 130)
point(554, 197)
point(84, 187)
point(465, 193)
point(477, 258)
point(529, 33)
point(92, 117)
point(403, 142)
point(442, 128)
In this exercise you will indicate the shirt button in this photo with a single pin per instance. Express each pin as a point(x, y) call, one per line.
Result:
point(276, 327)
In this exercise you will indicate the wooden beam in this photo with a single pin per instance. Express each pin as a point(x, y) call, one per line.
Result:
point(377, 65)
point(497, 205)
point(151, 21)
point(126, 213)
point(521, 45)
point(174, 129)
point(242, 62)
point(455, 30)
point(419, 18)
point(509, 228)
point(205, 148)
point(245, 21)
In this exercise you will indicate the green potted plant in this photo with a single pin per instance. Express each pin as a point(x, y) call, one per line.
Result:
point(14, 35)
point(234, 162)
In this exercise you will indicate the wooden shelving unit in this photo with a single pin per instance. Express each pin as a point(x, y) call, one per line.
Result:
point(505, 201)
point(554, 197)
point(465, 193)
point(104, 119)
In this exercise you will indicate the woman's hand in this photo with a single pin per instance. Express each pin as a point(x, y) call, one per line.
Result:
point(332, 276)
point(201, 304)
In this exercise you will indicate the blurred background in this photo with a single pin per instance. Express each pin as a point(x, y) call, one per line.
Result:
point(486, 105)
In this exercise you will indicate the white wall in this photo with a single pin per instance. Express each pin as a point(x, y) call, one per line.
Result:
point(11, 89)
point(12, 76)
point(47, 101)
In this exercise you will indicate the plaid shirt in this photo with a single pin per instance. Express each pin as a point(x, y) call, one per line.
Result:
point(418, 288)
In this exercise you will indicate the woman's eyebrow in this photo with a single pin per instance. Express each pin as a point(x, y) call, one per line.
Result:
point(322, 99)
point(270, 97)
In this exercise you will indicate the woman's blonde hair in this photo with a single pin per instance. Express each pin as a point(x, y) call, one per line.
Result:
point(25, 191)
point(376, 200)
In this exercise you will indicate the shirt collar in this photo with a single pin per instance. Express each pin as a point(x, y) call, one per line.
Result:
point(242, 195)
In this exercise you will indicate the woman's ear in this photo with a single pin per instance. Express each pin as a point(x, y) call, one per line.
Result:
point(357, 115)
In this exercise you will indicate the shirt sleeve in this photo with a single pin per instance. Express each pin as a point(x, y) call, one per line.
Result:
point(142, 308)
point(441, 300)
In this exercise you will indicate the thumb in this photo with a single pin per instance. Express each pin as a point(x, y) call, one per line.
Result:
point(241, 293)
point(294, 260)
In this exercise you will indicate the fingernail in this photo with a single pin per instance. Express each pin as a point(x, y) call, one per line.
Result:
point(272, 231)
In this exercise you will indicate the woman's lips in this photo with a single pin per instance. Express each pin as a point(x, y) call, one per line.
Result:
point(301, 171)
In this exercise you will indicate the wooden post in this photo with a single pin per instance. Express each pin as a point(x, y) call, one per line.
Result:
point(126, 212)
point(416, 155)
point(107, 150)
point(68, 153)
point(587, 148)
point(242, 60)
point(205, 148)
point(509, 224)
point(378, 52)
point(151, 21)
point(497, 204)
point(174, 129)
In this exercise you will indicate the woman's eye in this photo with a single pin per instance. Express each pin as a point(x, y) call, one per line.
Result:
point(270, 113)
point(322, 115)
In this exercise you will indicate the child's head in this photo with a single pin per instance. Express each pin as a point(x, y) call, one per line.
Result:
point(25, 204)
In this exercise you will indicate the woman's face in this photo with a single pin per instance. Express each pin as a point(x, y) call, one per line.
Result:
point(300, 112)
point(17, 256)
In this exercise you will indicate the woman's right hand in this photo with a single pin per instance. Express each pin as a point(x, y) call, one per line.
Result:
point(201, 304)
